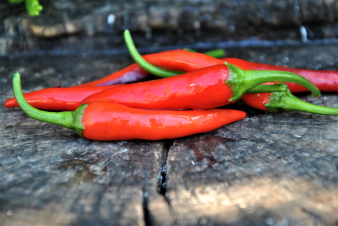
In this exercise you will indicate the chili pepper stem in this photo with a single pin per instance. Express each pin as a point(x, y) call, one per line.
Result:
point(217, 53)
point(143, 63)
point(287, 101)
point(68, 119)
point(241, 81)
point(268, 88)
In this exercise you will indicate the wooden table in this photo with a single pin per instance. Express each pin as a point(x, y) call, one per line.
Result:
point(264, 170)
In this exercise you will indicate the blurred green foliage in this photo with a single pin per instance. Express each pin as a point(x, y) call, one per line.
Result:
point(33, 7)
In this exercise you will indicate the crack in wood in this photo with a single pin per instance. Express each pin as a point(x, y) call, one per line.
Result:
point(146, 212)
point(162, 180)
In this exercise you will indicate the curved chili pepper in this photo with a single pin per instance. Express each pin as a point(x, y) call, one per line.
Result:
point(69, 98)
point(134, 72)
point(236, 71)
point(274, 102)
point(109, 121)
point(57, 99)
point(326, 81)
point(200, 89)
point(278, 100)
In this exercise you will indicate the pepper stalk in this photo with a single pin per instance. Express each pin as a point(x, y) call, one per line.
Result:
point(286, 101)
point(239, 80)
point(68, 119)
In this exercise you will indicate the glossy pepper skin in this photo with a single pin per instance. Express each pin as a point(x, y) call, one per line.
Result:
point(257, 100)
point(276, 101)
point(187, 62)
point(57, 99)
point(108, 121)
point(326, 81)
point(132, 73)
point(183, 61)
point(205, 88)
point(201, 89)
point(241, 82)
point(192, 61)
point(69, 98)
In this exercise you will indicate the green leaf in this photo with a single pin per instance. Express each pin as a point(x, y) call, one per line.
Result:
point(33, 7)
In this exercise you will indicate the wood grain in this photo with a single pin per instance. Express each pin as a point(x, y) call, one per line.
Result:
point(265, 170)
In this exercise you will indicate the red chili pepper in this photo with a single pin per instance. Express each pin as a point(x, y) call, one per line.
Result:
point(185, 61)
point(200, 89)
point(274, 102)
point(174, 60)
point(278, 101)
point(326, 81)
point(108, 121)
point(57, 99)
point(132, 73)
point(68, 99)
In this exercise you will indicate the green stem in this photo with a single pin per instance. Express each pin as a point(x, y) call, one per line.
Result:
point(217, 53)
point(68, 119)
point(240, 81)
point(287, 101)
point(143, 63)
point(268, 88)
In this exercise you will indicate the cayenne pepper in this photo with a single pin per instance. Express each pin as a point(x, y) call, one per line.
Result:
point(274, 102)
point(134, 73)
point(108, 121)
point(188, 61)
point(200, 89)
point(57, 99)
point(277, 101)
point(326, 81)
point(69, 98)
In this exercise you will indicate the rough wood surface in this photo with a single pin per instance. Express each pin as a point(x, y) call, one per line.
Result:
point(265, 170)
point(50, 176)
point(166, 23)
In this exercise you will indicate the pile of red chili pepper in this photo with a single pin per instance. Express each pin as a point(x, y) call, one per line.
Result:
point(180, 104)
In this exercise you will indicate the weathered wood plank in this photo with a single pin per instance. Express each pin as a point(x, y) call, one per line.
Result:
point(48, 175)
point(267, 169)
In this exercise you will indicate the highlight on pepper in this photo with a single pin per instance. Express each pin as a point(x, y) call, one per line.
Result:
point(238, 79)
point(109, 121)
